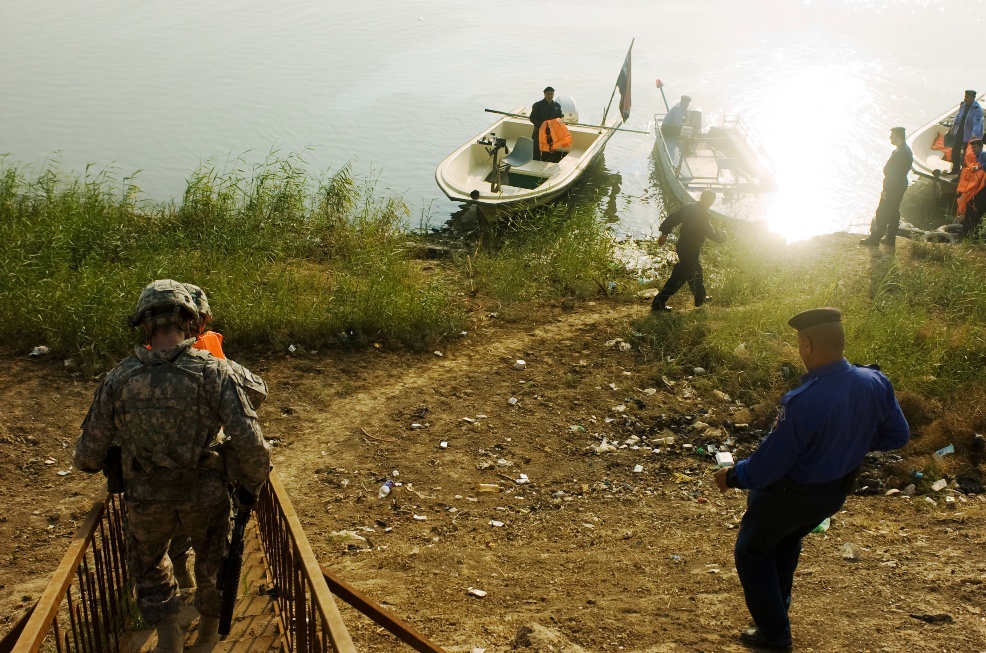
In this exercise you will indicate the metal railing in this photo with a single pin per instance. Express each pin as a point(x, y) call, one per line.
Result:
point(83, 608)
point(310, 620)
point(86, 605)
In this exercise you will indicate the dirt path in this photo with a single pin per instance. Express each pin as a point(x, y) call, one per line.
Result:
point(590, 551)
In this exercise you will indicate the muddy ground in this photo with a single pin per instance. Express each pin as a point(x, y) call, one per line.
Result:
point(623, 550)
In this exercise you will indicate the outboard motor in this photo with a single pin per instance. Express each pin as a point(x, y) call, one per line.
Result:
point(570, 112)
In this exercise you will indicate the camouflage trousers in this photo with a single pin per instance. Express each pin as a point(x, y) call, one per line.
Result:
point(150, 526)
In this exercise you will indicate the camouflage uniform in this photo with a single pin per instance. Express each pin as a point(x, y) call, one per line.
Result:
point(165, 407)
point(256, 389)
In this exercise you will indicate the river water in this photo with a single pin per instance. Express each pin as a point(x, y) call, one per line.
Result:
point(393, 87)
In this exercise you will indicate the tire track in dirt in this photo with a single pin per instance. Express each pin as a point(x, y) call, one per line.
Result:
point(339, 422)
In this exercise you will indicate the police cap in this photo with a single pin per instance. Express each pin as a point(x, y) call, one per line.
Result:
point(548, 89)
point(814, 317)
point(899, 131)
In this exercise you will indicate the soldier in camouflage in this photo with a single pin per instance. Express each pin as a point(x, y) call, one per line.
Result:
point(256, 389)
point(164, 406)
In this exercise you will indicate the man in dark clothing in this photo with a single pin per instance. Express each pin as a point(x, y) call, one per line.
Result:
point(887, 219)
point(696, 226)
point(806, 466)
point(542, 110)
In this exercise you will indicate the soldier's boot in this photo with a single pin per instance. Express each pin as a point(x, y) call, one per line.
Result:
point(169, 635)
point(208, 630)
point(184, 577)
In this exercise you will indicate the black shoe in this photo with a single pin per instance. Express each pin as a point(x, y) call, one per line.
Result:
point(699, 302)
point(889, 243)
point(869, 242)
point(752, 638)
point(661, 308)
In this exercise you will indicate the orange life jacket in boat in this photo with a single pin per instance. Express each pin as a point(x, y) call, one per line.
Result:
point(940, 145)
point(553, 135)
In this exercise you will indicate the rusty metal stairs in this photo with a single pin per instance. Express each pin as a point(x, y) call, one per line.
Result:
point(255, 624)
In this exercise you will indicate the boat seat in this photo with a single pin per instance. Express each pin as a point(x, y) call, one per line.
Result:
point(522, 153)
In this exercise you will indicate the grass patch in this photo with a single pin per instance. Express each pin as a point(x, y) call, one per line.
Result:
point(549, 253)
point(920, 315)
point(285, 259)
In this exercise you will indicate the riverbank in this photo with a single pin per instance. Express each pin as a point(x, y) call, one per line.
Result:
point(589, 550)
point(360, 335)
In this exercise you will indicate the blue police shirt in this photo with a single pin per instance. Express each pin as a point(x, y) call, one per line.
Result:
point(826, 426)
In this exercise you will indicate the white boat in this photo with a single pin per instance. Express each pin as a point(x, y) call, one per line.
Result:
point(929, 162)
point(496, 168)
point(724, 159)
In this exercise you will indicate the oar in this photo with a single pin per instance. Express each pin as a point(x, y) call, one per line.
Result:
point(577, 124)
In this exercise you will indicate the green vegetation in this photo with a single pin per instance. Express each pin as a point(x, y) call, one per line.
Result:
point(286, 259)
point(920, 314)
point(546, 254)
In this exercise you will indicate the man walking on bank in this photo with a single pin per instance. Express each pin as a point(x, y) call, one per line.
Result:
point(887, 219)
point(163, 406)
point(805, 468)
point(696, 226)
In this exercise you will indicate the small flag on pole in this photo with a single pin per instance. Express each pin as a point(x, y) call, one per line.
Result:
point(623, 83)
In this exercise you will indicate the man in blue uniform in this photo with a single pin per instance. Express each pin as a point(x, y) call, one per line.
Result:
point(968, 126)
point(804, 469)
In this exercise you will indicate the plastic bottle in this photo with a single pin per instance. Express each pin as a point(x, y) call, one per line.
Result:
point(385, 489)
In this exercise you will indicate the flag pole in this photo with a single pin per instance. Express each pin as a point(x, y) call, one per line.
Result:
point(616, 85)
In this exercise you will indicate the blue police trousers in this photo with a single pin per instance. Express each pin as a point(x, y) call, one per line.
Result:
point(769, 544)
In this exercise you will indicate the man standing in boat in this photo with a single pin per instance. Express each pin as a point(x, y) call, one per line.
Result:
point(543, 110)
point(968, 127)
point(676, 118)
point(887, 219)
point(696, 226)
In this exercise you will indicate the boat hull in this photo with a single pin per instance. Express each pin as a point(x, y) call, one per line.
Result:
point(722, 160)
point(929, 162)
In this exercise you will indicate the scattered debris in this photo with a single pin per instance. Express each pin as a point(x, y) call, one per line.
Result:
point(939, 485)
point(850, 551)
point(38, 351)
point(478, 593)
point(521, 364)
point(350, 539)
point(944, 451)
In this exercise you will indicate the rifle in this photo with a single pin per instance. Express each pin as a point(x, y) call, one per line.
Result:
point(228, 580)
point(113, 470)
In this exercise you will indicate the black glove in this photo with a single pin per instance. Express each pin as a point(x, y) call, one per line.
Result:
point(244, 500)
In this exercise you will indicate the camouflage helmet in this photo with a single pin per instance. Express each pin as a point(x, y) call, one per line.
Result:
point(200, 300)
point(161, 294)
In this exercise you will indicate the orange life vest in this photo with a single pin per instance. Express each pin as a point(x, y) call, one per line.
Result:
point(940, 145)
point(211, 342)
point(553, 135)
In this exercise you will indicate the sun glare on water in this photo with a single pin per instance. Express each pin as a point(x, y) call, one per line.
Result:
point(809, 141)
